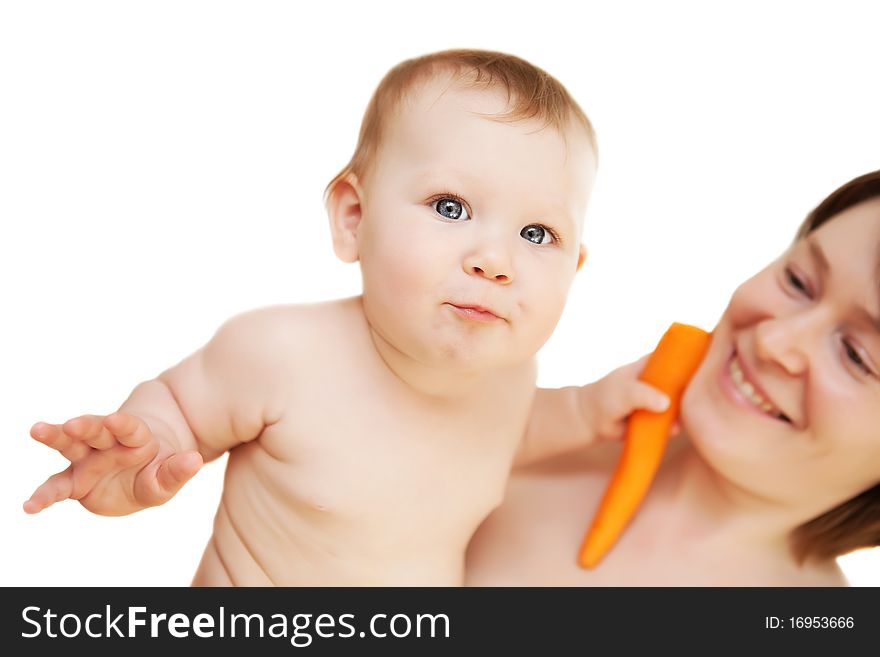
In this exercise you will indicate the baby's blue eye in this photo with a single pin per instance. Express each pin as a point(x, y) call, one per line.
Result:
point(537, 234)
point(451, 209)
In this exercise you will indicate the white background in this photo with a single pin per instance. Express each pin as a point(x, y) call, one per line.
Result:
point(162, 165)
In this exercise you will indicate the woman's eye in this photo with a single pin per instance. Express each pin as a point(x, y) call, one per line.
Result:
point(451, 209)
point(855, 357)
point(537, 234)
point(796, 282)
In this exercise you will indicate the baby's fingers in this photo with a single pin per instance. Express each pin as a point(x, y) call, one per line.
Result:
point(129, 430)
point(56, 488)
point(177, 470)
point(169, 478)
point(631, 370)
point(90, 430)
point(649, 398)
point(54, 436)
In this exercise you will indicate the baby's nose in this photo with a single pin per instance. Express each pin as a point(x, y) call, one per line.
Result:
point(493, 264)
point(501, 278)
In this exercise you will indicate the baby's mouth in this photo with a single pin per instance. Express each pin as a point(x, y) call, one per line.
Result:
point(749, 392)
point(475, 312)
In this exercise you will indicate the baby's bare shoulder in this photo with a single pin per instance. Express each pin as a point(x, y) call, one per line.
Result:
point(274, 341)
point(290, 325)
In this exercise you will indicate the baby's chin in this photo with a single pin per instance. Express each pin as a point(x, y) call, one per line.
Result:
point(471, 358)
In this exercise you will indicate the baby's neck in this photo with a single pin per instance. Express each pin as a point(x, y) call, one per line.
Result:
point(445, 384)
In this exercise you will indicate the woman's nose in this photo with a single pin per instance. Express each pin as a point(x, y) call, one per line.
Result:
point(490, 261)
point(786, 341)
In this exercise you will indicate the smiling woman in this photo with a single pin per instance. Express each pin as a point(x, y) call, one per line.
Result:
point(775, 473)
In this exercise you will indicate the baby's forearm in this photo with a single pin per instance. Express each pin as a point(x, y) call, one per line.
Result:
point(154, 403)
point(556, 424)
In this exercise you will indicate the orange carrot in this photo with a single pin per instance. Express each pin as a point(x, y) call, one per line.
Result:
point(669, 368)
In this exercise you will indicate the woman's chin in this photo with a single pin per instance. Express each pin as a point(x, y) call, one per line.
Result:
point(715, 434)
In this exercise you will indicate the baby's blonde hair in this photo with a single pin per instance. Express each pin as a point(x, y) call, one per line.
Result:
point(532, 93)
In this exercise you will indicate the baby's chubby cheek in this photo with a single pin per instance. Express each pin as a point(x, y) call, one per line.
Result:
point(540, 311)
point(398, 275)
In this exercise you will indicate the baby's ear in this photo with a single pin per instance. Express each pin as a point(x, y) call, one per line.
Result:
point(582, 257)
point(344, 211)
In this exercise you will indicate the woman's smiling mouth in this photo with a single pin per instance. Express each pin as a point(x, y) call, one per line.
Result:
point(745, 392)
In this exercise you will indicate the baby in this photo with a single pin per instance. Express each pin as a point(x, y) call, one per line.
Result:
point(369, 437)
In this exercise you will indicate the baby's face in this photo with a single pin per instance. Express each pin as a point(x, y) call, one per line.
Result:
point(470, 232)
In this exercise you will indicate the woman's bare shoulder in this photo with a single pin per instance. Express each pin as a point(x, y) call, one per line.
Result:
point(826, 575)
point(790, 574)
point(599, 457)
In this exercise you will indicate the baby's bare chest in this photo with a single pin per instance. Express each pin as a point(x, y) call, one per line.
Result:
point(376, 462)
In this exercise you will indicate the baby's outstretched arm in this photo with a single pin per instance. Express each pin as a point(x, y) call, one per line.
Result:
point(141, 455)
point(565, 419)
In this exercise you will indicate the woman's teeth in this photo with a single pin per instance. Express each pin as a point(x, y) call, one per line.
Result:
point(748, 391)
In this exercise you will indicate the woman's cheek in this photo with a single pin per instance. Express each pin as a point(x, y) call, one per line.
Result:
point(757, 298)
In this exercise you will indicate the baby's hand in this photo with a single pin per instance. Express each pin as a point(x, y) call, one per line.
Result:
point(117, 465)
point(610, 400)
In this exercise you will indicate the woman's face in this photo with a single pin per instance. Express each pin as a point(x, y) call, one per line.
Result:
point(787, 401)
